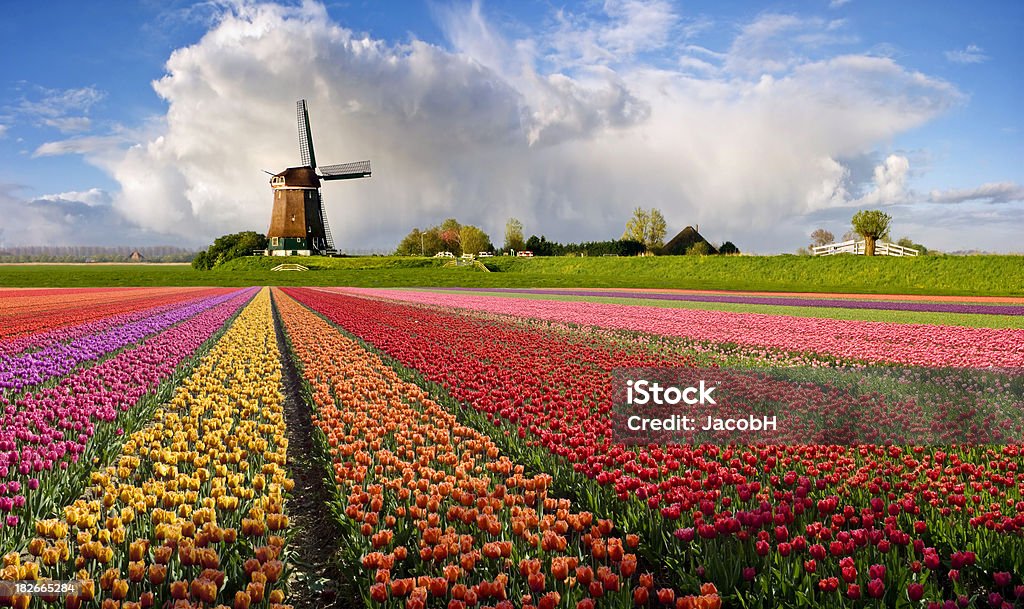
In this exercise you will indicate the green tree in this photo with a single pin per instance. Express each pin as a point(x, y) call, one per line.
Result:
point(908, 242)
point(474, 240)
point(728, 248)
point(872, 225)
point(514, 239)
point(656, 227)
point(413, 244)
point(647, 227)
point(699, 248)
point(201, 262)
point(636, 227)
point(229, 247)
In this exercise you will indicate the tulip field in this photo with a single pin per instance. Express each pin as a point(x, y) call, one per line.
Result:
point(468, 456)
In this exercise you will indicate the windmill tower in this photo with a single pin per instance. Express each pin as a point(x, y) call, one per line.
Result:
point(298, 223)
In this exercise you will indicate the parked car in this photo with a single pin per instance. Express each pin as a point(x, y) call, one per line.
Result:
point(444, 255)
point(525, 254)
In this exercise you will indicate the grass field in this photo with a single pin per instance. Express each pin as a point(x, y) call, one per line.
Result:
point(942, 275)
point(887, 316)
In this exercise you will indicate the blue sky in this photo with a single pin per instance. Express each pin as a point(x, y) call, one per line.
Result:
point(149, 122)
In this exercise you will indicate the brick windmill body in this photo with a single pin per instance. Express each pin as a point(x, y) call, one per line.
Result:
point(298, 222)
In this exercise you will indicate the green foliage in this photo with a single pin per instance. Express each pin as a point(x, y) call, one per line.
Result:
point(514, 239)
point(540, 246)
point(412, 244)
point(932, 275)
point(699, 248)
point(647, 227)
point(449, 236)
point(872, 225)
point(229, 247)
point(474, 240)
point(907, 242)
point(728, 248)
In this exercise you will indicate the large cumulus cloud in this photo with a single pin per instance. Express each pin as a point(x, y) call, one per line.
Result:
point(567, 129)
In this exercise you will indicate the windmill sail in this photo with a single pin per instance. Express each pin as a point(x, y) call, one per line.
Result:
point(305, 135)
point(328, 238)
point(346, 171)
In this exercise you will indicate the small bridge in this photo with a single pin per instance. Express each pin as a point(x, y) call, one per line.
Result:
point(289, 267)
point(480, 266)
point(853, 246)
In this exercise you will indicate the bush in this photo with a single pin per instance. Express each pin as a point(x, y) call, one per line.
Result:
point(229, 247)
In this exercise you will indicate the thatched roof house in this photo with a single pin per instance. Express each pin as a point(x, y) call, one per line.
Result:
point(136, 256)
point(682, 242)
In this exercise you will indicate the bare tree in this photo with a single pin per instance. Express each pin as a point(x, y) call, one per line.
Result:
point(821, 236)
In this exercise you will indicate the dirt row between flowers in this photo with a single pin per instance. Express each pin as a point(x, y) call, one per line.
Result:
point(316, 542)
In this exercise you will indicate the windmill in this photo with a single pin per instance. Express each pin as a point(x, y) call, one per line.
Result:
point(298, 223)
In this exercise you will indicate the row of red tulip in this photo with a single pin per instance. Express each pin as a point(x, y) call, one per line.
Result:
point(911, 509)
point(910, 344)
point(437, 514)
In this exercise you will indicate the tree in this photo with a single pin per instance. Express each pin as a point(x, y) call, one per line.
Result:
point(412, 245)
point(728, 248)
point(872, 225)
point(636, 227)
point(514, 239)
point(699, 248)
point(474, 240)
point(821, 236)
point(450, 231)
point(908, 242)
point(647, 227)
point(655, 237)
point(229, 247)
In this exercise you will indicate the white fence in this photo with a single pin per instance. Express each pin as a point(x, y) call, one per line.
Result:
point(882, 248)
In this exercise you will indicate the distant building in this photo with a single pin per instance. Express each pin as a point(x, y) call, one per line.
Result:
point(136, 256)
point(682, 242)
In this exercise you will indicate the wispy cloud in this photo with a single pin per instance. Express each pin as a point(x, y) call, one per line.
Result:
point(992, 192)
point(85, 144)
point(838, 3)
point(622, 29)
point(63, 109)
point(774, 43)
point(971, 54)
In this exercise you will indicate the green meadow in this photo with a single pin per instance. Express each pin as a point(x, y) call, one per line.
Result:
point(931, 275)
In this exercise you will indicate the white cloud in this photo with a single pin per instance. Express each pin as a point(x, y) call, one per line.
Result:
point(972, 54)
point(992, 192)
point(63, 109)
point(84, 144)
point(91, 197)
point(774, 43)
point(67, 219)
point(69, 124)
point(838, 3)
point(489, 129)
point(622, 29)
point(889, 183)
point(3, 131)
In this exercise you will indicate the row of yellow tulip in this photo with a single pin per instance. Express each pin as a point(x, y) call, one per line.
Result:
point(191, 514)
point(437, 516)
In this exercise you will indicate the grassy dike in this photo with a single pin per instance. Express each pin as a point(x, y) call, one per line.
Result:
point(933, 275)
